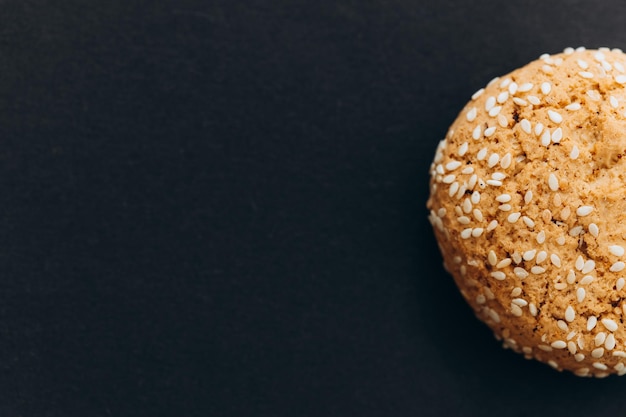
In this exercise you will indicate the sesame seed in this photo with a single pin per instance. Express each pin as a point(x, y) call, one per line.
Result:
point(616, 250)
point(490, 295)
point(475, 198)
point(480, 299)
point(580, 49)
point(532, 309)
point(442, 212)
point(490, 131)
point(478, 215)
point(519, 101)
point(580, 294)
point(588, 267)
point(597, 353)
point(562, 325)
point(599, 56)
point(599, 339)
point(502, 121)
point(505, 207)
point(494, 316)
point(525, 87)
point(594, 230)
point(528, 221)
point(609, 344)
point(546, 87)
point(533, 100)
point(568, 50)
point(495, 183)
point(506, 160)
point(614, 102)
point(591, 323)
point(553, 182)
point(492, 258)
point(573, 107)
point(574, 153)
point(557, 135)
point(493, 160)
point(472, 181)
point(528, 196)
point(583, 211)
point(462, 149)
point(619, 67)
point(579, 357)
point(617, 267)
point(571, 335)
point(560, 286)
point(619, 367)
point(513, 88)
point(529, 255)
point(495, 111)
point(502, 97)
point(499, 275)
point(513, 217)
point(556, 261)
point(575, 231)
point(619, 354)
point(571, 346)
point(527, 350)
point(520, 301)
point(451, 166)
point(449, 179)
point(492, 225)
point(545, 138)
point(477, 132)
point(554, 116)
point(541, 237)
point(478, 93)
point(586, 74)
point(467, 170)
point(516, 292)
point(505, 82)
point(467, 205)
point(466, 233)
point(525, 125)
point(537, 270)
point(558, 344)
point(621, 79)
point(541, 256)
point(482, 154)
point(606, 66)
point(594, 95)
point(490, 103)
point(582, 64)
point(504, 263)
point(503, 198)
point(516, 310)
point(610, 325)
point(587, 279)
point(547, 69)
point(521, 273)
point(600, 366)
point(477, 231)
point(570, 314)
point(560, 240)
point(545, 348)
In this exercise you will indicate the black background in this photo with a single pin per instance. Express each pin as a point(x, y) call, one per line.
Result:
point(218, 208)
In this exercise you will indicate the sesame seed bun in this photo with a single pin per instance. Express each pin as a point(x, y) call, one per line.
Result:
point(528, 206)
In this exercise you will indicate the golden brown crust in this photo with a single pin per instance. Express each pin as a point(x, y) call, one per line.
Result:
point(527, 203)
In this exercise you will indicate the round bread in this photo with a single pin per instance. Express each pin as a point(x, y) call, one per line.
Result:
point(528, 204)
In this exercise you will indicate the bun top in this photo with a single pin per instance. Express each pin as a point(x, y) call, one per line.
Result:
point(528, 206)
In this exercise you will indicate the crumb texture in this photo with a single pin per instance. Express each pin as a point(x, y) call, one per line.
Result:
point(527, 204)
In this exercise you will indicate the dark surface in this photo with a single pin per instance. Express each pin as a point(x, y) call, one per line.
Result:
point(218, 208)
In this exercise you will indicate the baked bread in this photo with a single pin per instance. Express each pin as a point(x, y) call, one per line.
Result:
point(528, 205)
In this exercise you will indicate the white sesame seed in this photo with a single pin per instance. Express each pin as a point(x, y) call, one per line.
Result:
point(494, 315)
point(480, 299)
point(546, 87)
point(467, 170)
point(516, 292)
point(619, 67)
point(588, 267)
point(558, 344)
point(513, 88)
point(516, 310)
point(621, 79)
point(556, 261)
point(575, 231)
point(571, 346)
point(586, 74)
point(599, 56)
point(528, 196)
point(571, 335)
point(574, 153)
point(517, 258)
point(560, 240)
point(482, 154)
point(610, 325)
point(495, 111)
point(525, 125)
point(568, 50)
point(472, 181)
point(492, 225)
point(502, 97)
point(520, 301)
point(587, 279)
point(519, 101)
point(580, 294)
point(466, 233)
point(537, 270)
point(579, 357)
point(478, 93)
point(490, 131)
point(547, 69)
point(557, 135)
point(529, 255)
point(562, 325)
point(541, 256)
point(449, 179)
point(582, 64)
point(475, 198)
point(594, 95)
point(594, 230)
point(570, 314)
point(451, 166)
point(504, 263)
point(492, 258)
point(620, 366)
point(504, 207)
point(499, 275)
point(583, 211)
point(494, 183)
point(477, 132)
point(528, 221)
point(614, 102)
point(573, 107)
point(609, 344)
point(532, 309)
point(490, 103)
point(591, 323)
point(525, 87)
point(541, 237)
point(545, 348)
point(506, 160)
point(599, 338)
point(616, 250)
point(521, 273)
point(617, 267)
point(533, 100)
point(545, 138)
point(553, 182)
point(560, 286)
point(442, 212)
point(597, 353)
point(505, 82)
point(513, 217)
point(503, 198)
point(606, 66)
point(493, 160)
point(478, 215)
point(477, 231)
point(467, 206)
point(554, 116)
point(502, 120)
point(600, 366)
